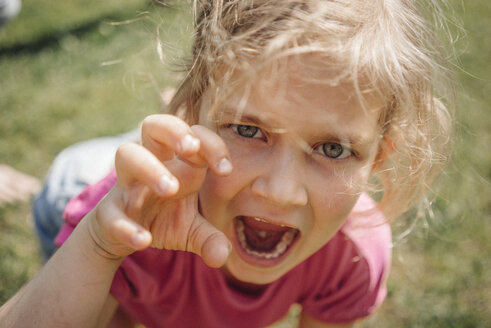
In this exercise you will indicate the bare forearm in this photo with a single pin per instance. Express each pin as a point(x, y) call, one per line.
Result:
point(69, 291)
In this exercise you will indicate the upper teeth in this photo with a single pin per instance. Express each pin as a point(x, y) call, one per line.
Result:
point(263, 220)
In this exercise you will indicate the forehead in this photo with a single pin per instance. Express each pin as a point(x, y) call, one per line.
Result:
point(302, 91)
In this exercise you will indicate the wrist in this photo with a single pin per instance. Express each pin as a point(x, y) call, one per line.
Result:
point(96, 247)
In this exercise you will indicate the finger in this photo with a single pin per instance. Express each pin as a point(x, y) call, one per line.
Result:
point(209, 243)
point(212, 150)
point(213, 153)
point(165, 134)
point(130, 233)
point(118, 234)
point(135, 163)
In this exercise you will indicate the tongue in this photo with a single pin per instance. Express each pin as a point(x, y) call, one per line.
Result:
point(261, 235)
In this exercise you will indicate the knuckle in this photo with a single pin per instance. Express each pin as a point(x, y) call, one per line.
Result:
point(156, 125)
point(201, 130)
point(148, 121)
point(151, 119)
point(124, 150)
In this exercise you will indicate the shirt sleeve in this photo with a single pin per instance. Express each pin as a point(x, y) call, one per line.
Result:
point(79, 206)
point(353, 273)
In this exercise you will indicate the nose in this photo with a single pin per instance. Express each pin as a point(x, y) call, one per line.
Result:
point(281, 181)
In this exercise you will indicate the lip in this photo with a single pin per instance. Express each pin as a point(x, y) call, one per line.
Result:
point(262, 262)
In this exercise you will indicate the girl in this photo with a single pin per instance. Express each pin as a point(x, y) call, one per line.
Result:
point(253, 195)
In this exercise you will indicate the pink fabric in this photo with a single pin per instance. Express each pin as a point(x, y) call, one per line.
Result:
point(342, 282)
point(79, 206)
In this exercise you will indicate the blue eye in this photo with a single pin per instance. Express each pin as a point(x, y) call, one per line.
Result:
point(333, 150)
point(247, 131)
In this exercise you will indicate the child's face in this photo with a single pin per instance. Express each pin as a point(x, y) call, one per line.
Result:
point(301, 156)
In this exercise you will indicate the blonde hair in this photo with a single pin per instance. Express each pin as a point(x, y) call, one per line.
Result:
point(386, 46)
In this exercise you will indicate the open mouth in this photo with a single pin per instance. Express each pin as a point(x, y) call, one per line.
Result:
point(263, 240)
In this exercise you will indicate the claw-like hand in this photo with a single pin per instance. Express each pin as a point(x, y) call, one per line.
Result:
point(155, 201)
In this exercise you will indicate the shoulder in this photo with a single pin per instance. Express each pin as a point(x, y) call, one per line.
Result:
point(369, 233)
point(365, 237)
point(368, 230)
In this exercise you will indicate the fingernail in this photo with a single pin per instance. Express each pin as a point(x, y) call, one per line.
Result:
point(189, 143)
point(138, 238)
point(167, 184)
point(224, 166)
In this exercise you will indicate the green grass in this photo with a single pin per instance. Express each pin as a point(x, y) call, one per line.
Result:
point(69, 72)
point(81, 84)
point(441, 272)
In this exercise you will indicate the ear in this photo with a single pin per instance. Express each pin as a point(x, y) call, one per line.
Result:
point(386, 148)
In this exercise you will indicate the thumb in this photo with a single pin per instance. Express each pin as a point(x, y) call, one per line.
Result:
point(208, 242)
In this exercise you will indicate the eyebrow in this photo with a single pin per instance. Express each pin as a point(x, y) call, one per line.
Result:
point(243, 117)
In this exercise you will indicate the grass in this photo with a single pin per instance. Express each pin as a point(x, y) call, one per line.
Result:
point(70, 71)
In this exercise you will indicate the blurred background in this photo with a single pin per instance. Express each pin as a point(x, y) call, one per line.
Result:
point(79, 69)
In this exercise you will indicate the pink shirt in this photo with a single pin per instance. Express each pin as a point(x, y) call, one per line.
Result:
point(342, 282)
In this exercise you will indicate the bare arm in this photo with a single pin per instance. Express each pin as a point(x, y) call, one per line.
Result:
point(114, 317)
point(70, 290)
point(154, 203)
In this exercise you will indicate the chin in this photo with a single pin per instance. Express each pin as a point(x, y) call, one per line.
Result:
point(243, 272)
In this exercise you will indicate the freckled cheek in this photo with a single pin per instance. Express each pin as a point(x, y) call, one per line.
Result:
point(246, 164)
point(335, 198)
point(350, 179)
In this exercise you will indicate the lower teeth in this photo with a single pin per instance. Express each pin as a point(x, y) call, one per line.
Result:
point(279, 249)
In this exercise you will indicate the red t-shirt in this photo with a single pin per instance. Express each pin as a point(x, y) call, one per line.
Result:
point(340, 283)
